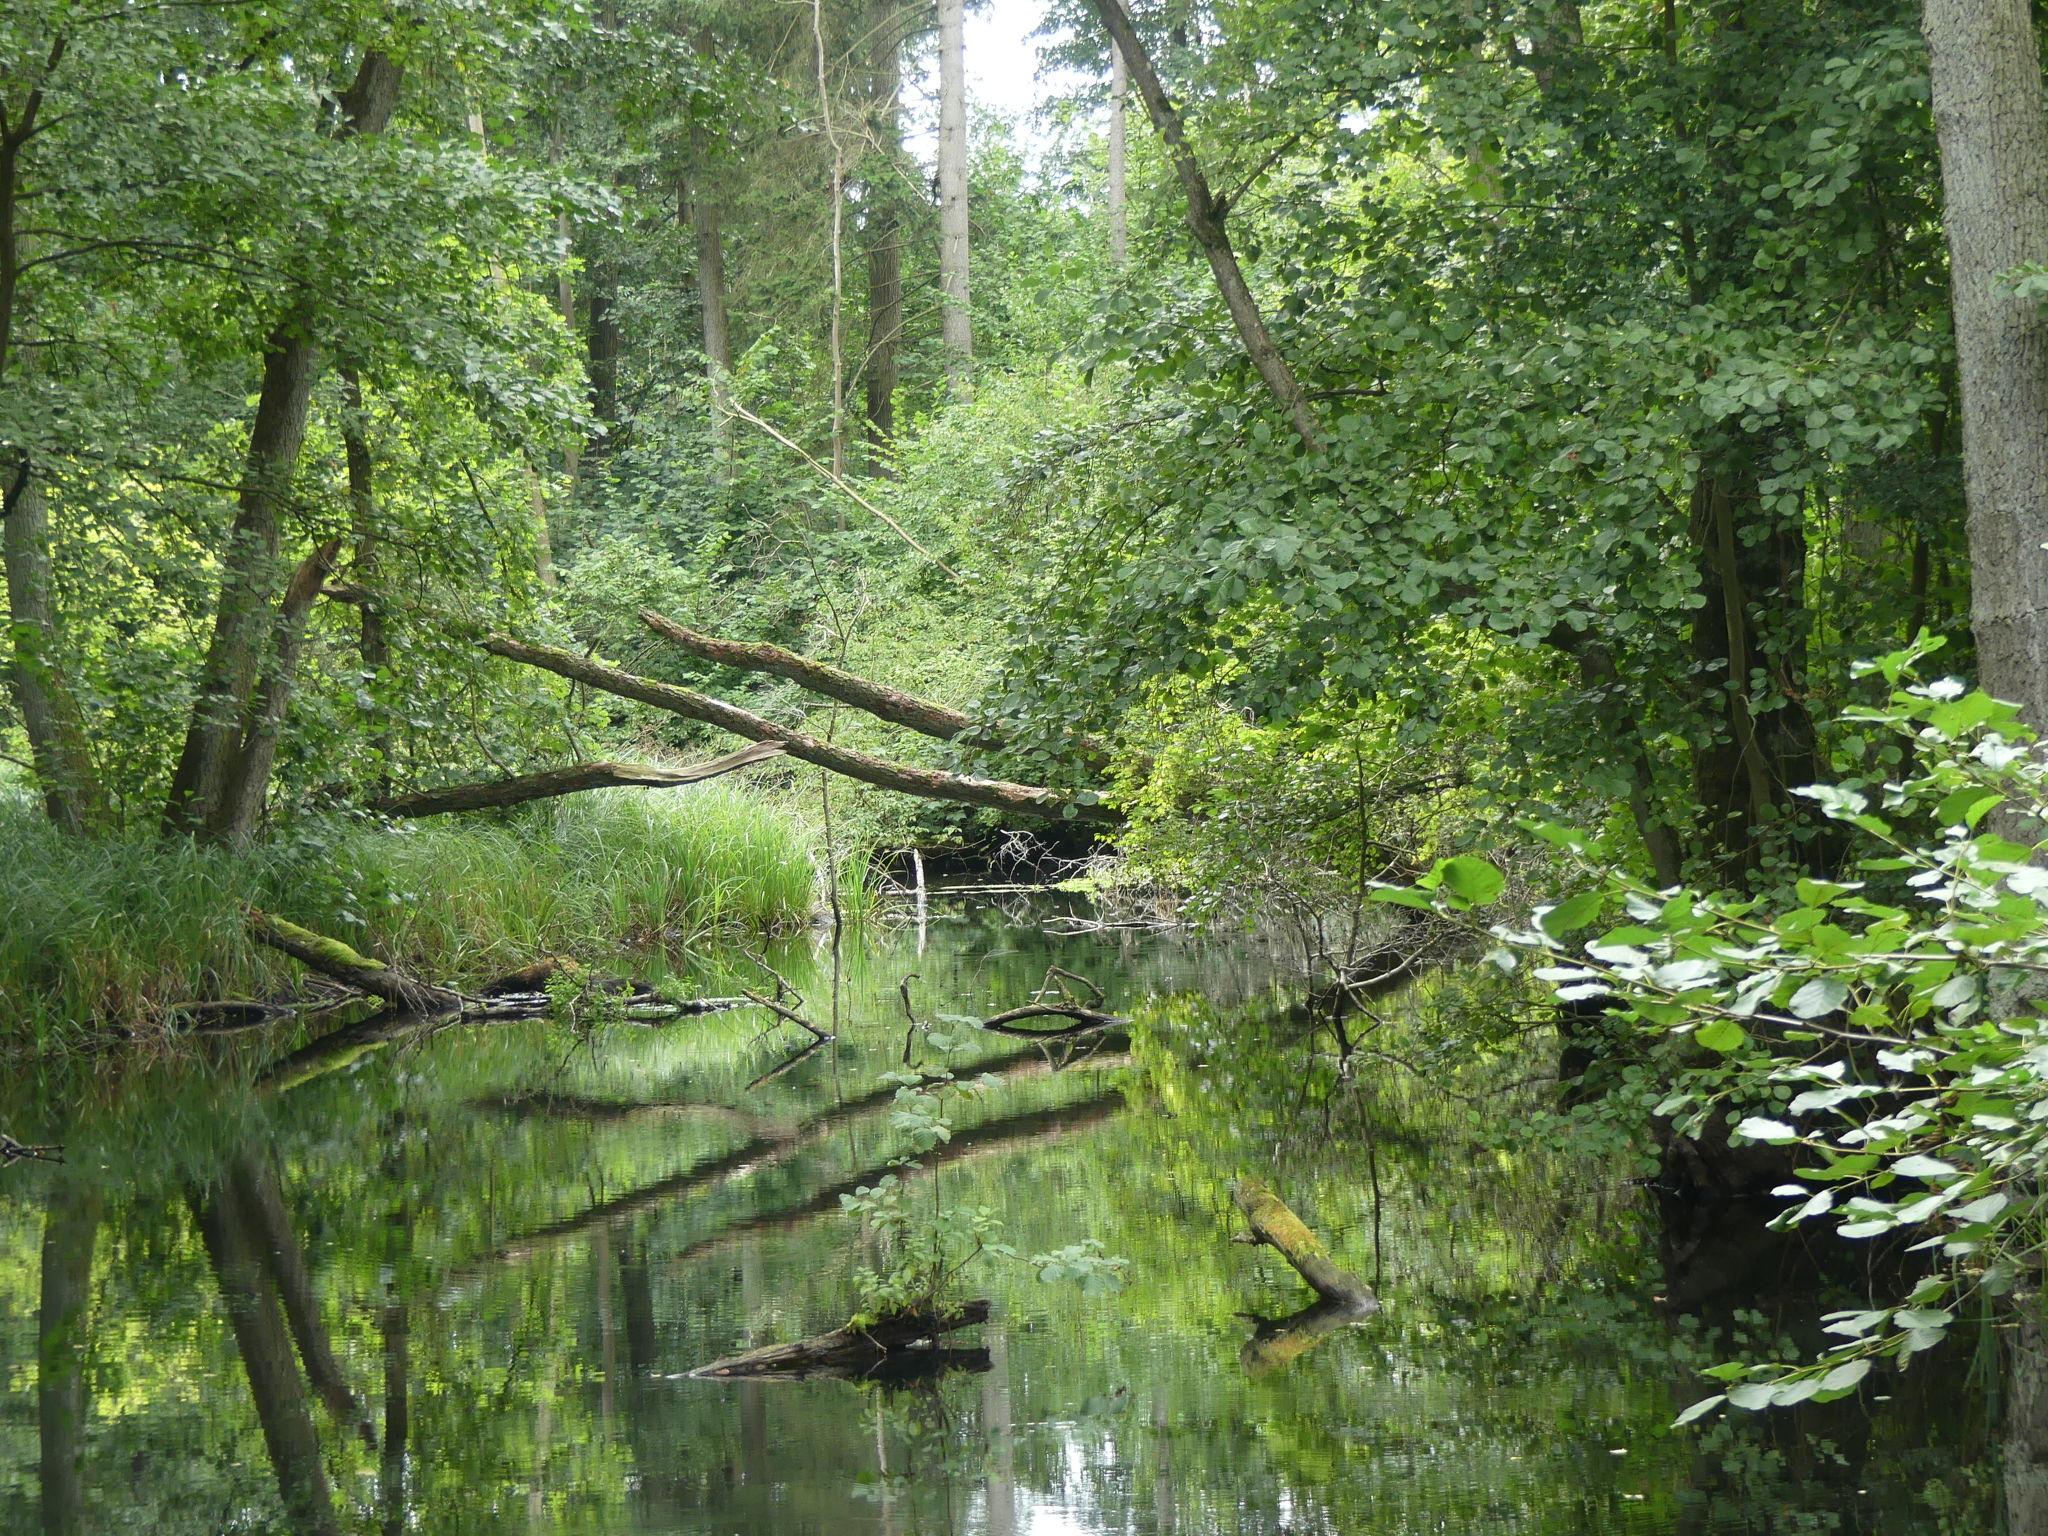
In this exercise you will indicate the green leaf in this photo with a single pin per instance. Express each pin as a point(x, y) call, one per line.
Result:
point(1571, 914)
point(1471, 879)
point(1722, 1035)
point(1822, 995)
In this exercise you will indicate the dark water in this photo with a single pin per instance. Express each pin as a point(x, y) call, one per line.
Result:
point(453, 1282)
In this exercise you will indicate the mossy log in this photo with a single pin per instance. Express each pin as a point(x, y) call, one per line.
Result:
point(1273, 1224)
point(855, 1351)
point(336, 961)
point(1278, 1342)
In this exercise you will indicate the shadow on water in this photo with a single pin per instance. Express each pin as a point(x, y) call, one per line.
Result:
point(452, 1280)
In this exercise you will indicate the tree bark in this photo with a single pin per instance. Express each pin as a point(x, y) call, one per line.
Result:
point(495, 794)
point(602, 345)
point(883, 232)
point(927, 783)
point(1119, 152)
point(250, 562)
point(248, 787)
point(956, 324)
point(878, 699)
point(373, 642)
point(1272, 1223)
point(1985, 73)
point(1206, 220)
point(73, 797)
point(336, 961)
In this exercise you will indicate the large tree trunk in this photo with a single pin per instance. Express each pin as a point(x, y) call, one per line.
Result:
point(1205, 220)
point(250, 574)
point(1119, 153)
point(71, 1225)
point(603, 343)
point(956, 323)
point(50, 713)
point(883, 233)
point(1985, 72)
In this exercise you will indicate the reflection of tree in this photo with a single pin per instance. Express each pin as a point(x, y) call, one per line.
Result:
point(394, 1328)
point(266, 1350)
point(71, 1224)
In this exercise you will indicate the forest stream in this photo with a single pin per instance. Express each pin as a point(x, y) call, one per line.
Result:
point(457, 1281)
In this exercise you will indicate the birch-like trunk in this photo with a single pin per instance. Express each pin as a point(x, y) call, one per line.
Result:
point(956, 323)
point(1119, 151)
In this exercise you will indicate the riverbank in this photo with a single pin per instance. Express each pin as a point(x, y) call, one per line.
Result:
point(124, 930)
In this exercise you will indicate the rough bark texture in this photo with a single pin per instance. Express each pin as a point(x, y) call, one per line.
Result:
point(1205, 219)
point(956, 323)
point(1985, 74)
point(250, 573)
point(1274, 1224)
point(929, 783)
point(50, 714)
point(602, 344)
point(1119, 157)
point(495, 793)
point(707, 219)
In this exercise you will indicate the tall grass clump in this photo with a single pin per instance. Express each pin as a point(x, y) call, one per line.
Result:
point(122, 930)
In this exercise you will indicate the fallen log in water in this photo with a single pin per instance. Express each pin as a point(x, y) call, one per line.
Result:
point(1274, 1225)
point(336, 961)
point(850, 1351)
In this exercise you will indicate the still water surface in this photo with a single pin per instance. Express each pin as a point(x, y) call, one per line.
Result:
point(454, 1281)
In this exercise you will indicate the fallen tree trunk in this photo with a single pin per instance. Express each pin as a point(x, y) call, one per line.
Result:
point(1273, 1224)
point(926, 783)
point(878, 699)
point(493, 794)
point(1086, 1021)
point(336, 961)
point(849, 1350)
point(1278, 1342)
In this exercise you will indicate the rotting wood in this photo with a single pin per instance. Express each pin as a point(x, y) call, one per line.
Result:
point(492, 794)
point(335, 960)
point(849, 1349)
point(926, 783)
point(1273, 1224)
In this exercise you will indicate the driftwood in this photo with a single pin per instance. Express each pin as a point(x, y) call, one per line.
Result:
point(1274, 1225)
point(878, 699)
point(849, 1351)
point(1055, 1000)
point(926, 783)
point(12, 1151)
point(491, 794)
point(336, 961)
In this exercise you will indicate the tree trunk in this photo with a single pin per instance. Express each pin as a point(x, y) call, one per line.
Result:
point(495, 794)
point(71, 1224)
point(884, 237)
point(337, 962)
point(1205, 220)
point(956, 322)
point(853, 1351)
point(242, 620)
point(241, 805)
point(273, 1374)
point(1985, 72)
point(50, 713)
point(1274, 1225)
point(602, 346)
point(373, 643)
point(1119, 223)
point(927, 783)
point(1752, 567)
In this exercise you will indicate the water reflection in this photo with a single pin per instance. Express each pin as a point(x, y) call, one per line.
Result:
point(453, 1280)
